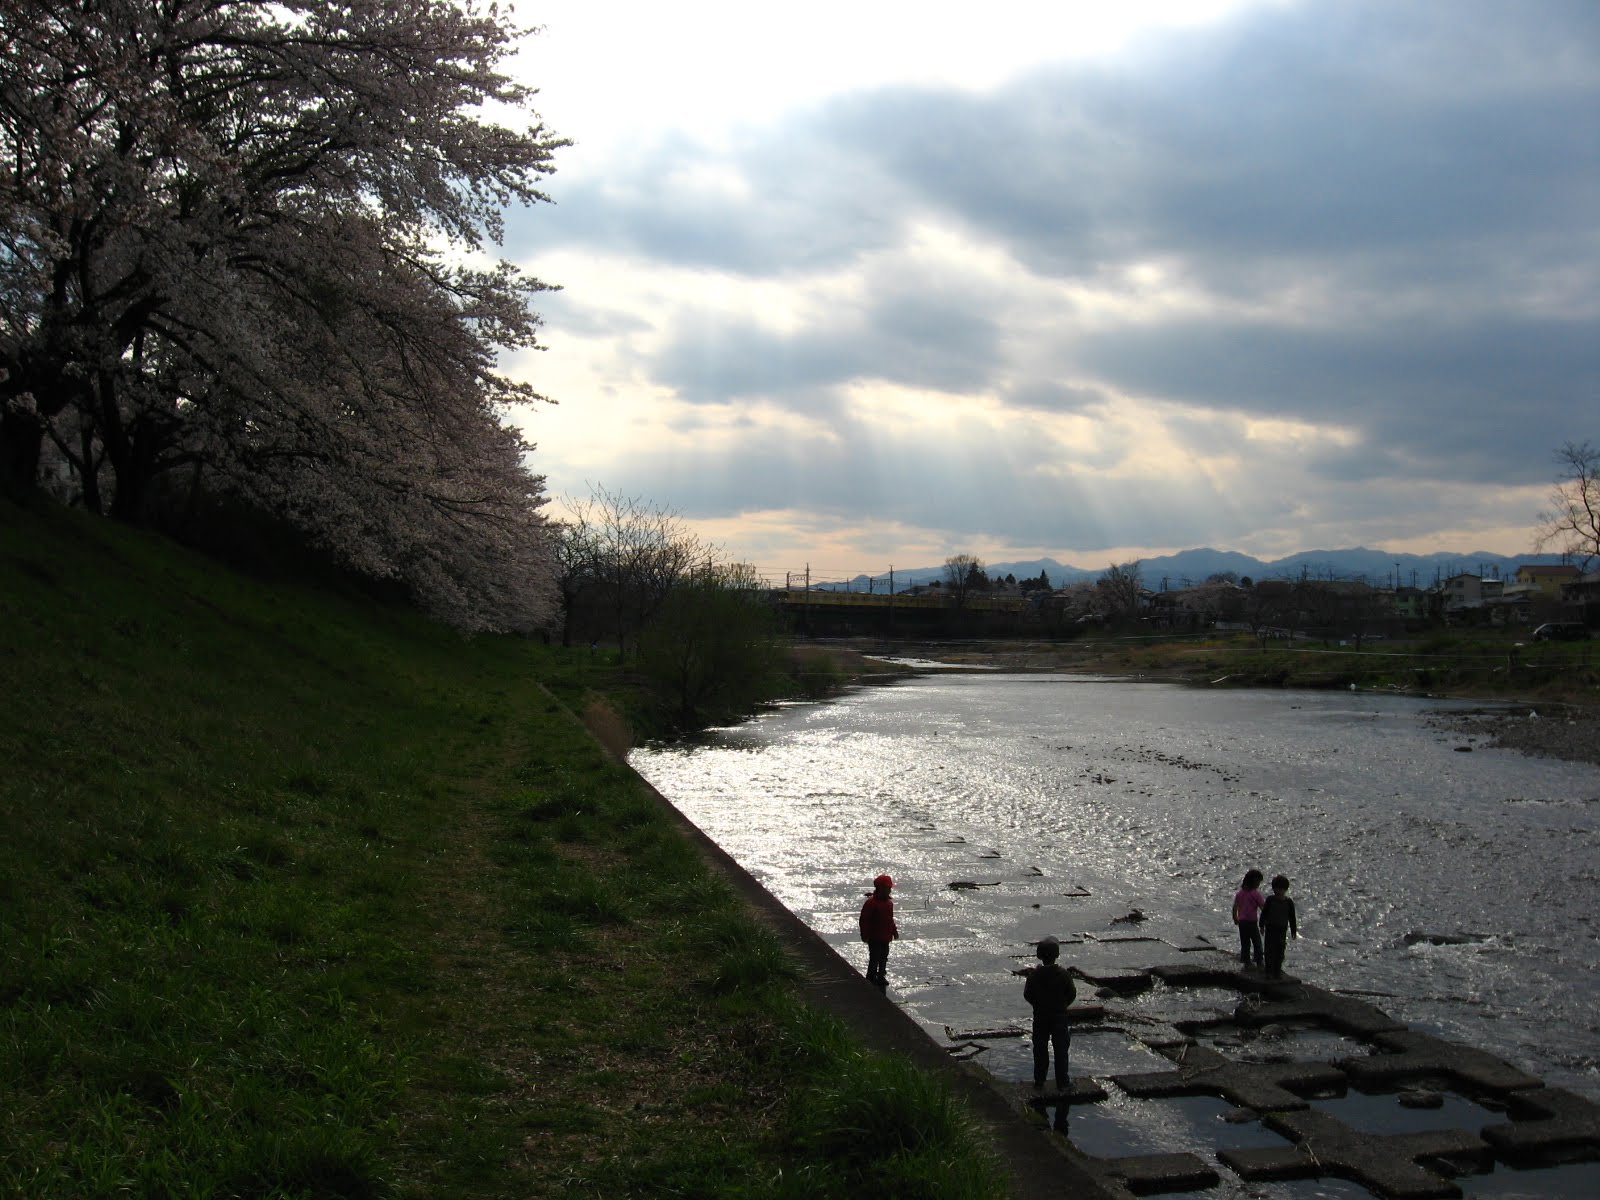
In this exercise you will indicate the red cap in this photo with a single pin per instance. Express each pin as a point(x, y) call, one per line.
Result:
point(883, 881)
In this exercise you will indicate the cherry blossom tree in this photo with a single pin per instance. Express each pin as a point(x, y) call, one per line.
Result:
point(252, 242)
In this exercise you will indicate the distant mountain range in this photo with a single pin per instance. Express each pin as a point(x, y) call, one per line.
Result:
point(1189, 567)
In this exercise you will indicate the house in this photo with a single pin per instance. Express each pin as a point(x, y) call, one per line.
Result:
point(1549, 578)
point(1409, 603)
point(1469, 591)
point(1474, 599)
point(1580, 599)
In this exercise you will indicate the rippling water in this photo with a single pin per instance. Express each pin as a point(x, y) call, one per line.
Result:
point(1463, 889)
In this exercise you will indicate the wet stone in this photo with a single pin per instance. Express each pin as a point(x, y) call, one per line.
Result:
point(1265, 1087)
point(1200, 974)
point(1149, 1174)
point(1080, 1089)
point(1406, 1055)
point(1160, 1037)
point(1110, 981)
point(1420, 1098)
point(1388, 1164)
point(1548, 1126)
point(1086, 1014)
point(1301, 1003)
point(981, 1035)
point(1121, 937)
point(1107, 950)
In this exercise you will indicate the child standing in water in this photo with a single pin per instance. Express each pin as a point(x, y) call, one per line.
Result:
point(878, 930)
point(1050, 991)
point(1277, 922)
point(1247, 902)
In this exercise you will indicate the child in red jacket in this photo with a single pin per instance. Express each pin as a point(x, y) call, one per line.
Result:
point(878, 930)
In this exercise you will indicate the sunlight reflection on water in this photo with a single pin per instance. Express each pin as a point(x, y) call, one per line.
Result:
point(1462, 886)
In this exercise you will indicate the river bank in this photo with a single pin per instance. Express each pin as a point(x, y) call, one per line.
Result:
point(1553, 719)
point(354, 907)
point(1008, 805)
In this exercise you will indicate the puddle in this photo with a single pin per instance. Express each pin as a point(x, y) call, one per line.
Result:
point(1170, 1004)
point(1299, 1189)
point(1121, 1125)
point(1578, 1181)
point(1278, 1043)
point(1095, 1054)
point(1385, 1114)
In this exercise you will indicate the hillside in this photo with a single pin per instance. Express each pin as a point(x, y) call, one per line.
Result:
point(305, 896)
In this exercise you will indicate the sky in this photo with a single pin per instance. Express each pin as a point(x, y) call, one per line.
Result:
point(856, 285)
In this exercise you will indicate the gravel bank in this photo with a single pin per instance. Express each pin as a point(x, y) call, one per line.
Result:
point(1561, 731)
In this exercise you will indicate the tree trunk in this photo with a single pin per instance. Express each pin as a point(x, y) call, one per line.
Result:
point(88, 476)
point(21, 440)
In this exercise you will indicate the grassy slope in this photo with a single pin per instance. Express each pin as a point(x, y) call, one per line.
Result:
point(300, 896)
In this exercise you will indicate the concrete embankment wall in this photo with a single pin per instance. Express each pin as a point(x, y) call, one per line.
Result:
point(1040, 1163)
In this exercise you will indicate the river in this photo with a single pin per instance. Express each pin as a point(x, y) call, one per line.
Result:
point(1461, 889)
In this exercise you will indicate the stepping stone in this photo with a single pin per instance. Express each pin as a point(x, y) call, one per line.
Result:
point(1384, 1163)
point(1548, 1126)
point(1197, 974)
point(1121, 938)
point(1303, 1003)
point(1265, 1087)
point(1080, 1089)
point(1148, 1174)
point(1120, 982)
point(1159, 1036)
point(983, 1035)
point(1411, 1055)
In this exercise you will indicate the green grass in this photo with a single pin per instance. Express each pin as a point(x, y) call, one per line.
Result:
point(303, 896)
point(1482, 663)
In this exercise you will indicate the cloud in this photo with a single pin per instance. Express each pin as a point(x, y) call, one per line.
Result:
point(1477, 397)
point(1299, 269)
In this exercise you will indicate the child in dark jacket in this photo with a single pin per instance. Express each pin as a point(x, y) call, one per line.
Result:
point(1277, 923)
point(878, 930)
point(1050, 991)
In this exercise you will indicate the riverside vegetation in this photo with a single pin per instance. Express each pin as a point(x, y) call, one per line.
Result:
point(1560, 680)
point(304, 896)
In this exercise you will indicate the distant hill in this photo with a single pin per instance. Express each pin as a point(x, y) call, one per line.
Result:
point(1189, 567)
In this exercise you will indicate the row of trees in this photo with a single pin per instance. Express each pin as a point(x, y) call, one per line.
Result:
point(244, 251)
point(699, 628)
point(1114, 596)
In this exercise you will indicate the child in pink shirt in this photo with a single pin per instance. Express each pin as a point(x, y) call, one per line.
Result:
point(1247, 902)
